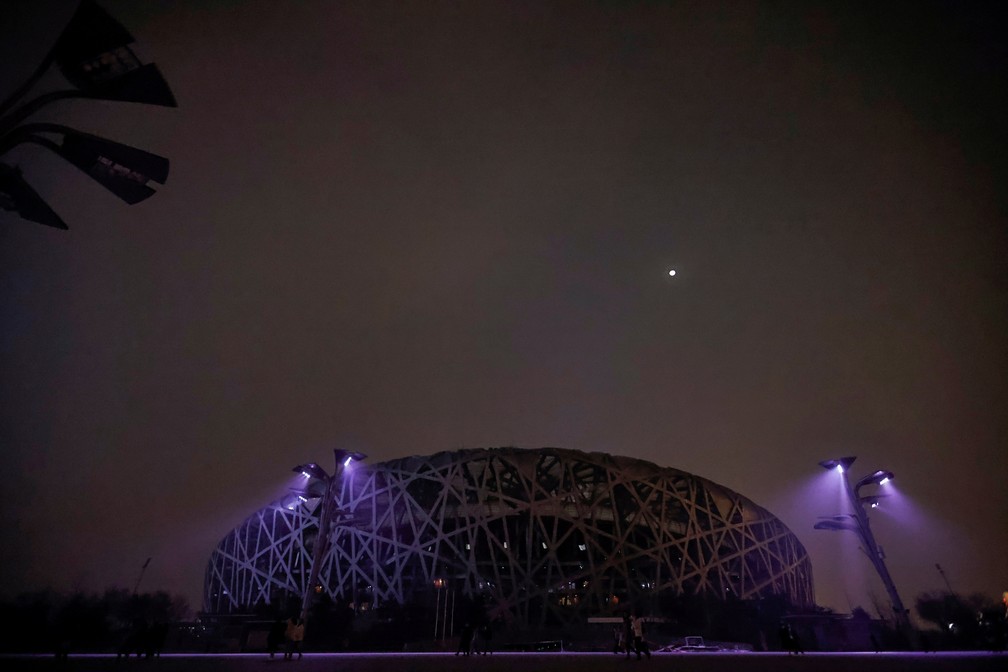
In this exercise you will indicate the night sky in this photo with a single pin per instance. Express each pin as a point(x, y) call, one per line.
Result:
point(407, 227)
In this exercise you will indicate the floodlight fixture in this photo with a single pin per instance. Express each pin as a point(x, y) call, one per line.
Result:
point(123, 170)
point(95, 57)
point(345, 457)
point(16, 195)
point(311, 470)
point(878, 477)
point(93, 53)
point(871, 500)
point(841, 464)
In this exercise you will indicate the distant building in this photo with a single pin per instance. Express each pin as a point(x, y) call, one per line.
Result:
point(546, 537)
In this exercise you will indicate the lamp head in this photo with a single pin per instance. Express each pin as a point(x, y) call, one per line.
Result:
point(93, 53)
point(345, 457)
point(123, 170)
point(836, 523)
point(840, 463)
point(871, 500)
point(18, 196)
point(311, 470)
point(877, 477)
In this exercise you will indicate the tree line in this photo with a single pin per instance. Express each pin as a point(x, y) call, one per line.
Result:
point(49, 620)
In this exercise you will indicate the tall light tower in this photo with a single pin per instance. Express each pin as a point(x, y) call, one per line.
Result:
point(93, 53)
point(331, 485)
point(857, 522)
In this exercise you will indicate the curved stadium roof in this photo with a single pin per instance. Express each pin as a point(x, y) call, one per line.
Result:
point(547, 536)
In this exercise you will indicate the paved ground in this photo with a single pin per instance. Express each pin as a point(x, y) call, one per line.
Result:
point(526, 662)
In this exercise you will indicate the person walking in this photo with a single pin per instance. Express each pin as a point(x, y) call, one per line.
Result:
point(275, 636)
point(784, 633)
point(465, 640)
point(627, 634)
point(485, 637)
point(295, 636)
point(796, 645)
point(640, 644)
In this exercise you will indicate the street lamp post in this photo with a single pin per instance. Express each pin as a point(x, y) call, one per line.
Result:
point(857, 522)
point(331, 491)
point(439, 585)
point(95, 57)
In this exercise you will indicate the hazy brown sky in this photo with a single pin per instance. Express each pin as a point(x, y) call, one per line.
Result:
point(406, 227)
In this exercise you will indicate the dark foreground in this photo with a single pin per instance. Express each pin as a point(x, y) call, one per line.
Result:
point(524, 662)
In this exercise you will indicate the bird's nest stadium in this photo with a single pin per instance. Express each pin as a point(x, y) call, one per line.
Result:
point(544, 537)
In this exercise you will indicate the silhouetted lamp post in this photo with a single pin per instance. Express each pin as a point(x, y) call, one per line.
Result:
point(329, 485)
point(94, 55)
point(857, 522)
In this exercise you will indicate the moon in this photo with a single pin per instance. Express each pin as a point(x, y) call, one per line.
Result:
point(671, 272)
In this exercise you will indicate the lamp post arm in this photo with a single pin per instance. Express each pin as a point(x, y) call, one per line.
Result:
point(25, 133)
point(10, 122)
point(43, 142)
point(871, 549)
point(13, 139)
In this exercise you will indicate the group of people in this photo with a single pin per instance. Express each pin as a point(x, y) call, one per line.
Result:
point(630, 637)
point(291, 632)
point(789, 640)
point(475, 639)
point(143, 640)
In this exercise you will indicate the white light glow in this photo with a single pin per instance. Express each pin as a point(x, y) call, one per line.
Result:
point(884, 481)
point(346, 462)
point(671, 272)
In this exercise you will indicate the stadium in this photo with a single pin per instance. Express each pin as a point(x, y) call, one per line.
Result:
point(545, 537)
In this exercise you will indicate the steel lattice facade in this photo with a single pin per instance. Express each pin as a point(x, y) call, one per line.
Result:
point(546, 536)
